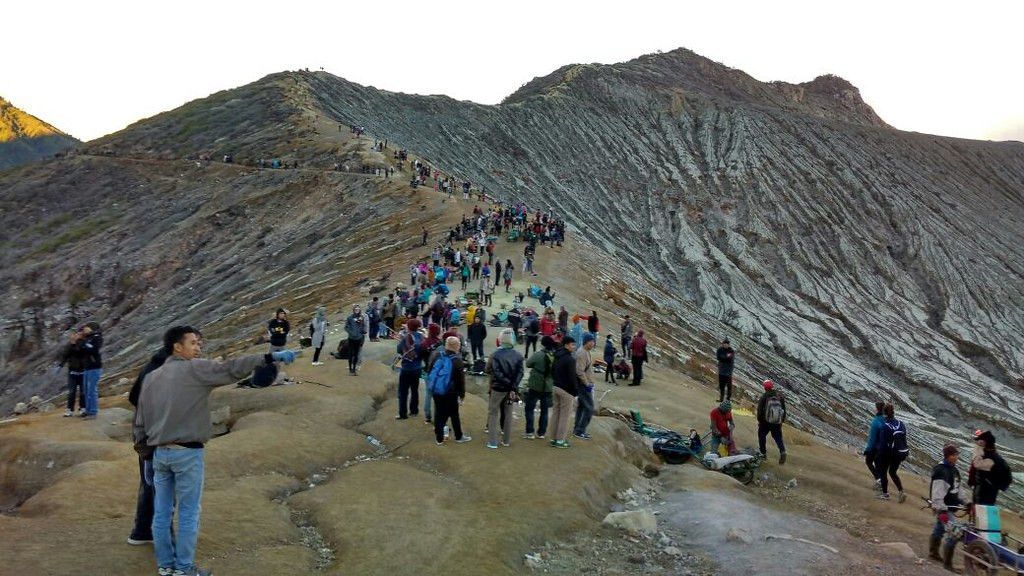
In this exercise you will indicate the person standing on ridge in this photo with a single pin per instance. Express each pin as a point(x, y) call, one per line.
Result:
point(566, 387)
point(317, 333)
point(726, 360)
point(871, 448)
point(638, 353)
point(585, 397)
point(609, 360)
point(505, 366)
point(944, 495)
point(771, 413)
point(539, 387)
point(892, 451)
point(172, 422)
point(356, 326)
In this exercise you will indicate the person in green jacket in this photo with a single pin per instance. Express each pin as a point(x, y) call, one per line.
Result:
point(539, 387)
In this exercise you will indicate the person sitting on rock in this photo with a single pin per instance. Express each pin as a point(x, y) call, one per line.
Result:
point(722, 426)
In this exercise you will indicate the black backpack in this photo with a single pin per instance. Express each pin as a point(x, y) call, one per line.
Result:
point(1001, 474)
point(263, 376)
point(894, 437)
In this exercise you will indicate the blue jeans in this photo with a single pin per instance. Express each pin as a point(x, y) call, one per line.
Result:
point(92, 391)
point(178, 476)
point(584, 410)
point(531, 400)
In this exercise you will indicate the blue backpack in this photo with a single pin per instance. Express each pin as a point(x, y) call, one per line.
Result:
point(456, 317)
point(440, 379)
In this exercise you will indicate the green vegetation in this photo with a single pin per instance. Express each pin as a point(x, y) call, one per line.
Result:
point(73, 234)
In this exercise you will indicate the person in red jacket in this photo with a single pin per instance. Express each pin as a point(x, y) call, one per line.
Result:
point(638, 353)
point(547, 324)
point(722, 426)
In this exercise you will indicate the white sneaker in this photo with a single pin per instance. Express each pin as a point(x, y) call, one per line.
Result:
point(529, 436)
point(68, 413)
point(464, 439)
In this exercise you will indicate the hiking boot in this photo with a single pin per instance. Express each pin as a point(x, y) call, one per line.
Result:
point(883, 496)
point(492, 446)
point(529, 436)
point(782, 458)
point(132, 540)
point(193, 571)
point(902, 497)
point(463, 440)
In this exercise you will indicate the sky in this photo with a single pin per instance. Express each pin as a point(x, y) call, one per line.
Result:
point(92, 68)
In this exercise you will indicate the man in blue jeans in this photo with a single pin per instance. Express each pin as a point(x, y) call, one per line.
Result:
point(173, 420)
point(92, 342)
point(585, 399)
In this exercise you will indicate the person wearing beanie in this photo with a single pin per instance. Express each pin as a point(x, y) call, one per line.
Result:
point(566, 387)
point(988, 473)
point(432, 342)
point(891, 451)
point(585, 398)
point(410, 350)
point(722, 426)
point(609, 359)
point(944, 494)
point(771, 413)
point(638, 354)
point(871, 448)
point(447, 404)
point(726, 359)
point(505, 366)
point(539, 387)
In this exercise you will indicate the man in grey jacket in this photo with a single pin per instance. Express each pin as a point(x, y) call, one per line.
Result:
point(356, 326)
point(173, 420)
point(506, 369)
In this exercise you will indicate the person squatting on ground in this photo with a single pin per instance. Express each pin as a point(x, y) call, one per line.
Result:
point(891, 449)
point(317, 333)
point(172, 422)
point(409, 348)
point(722, 426)
point(356, 326)
point(871, 447)
point(726, 360)
point(505, 366)
point(585, 397)
point(566, 387)
point(945, 497)
point(446, 382)
point(771, 413)
point(539, 388)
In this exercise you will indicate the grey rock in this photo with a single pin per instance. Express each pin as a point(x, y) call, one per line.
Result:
point(634, 521)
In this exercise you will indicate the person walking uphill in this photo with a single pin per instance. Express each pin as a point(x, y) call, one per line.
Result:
point(585, 397)
point(410, 348)
point(891, 452)
point(172, 423)
point(539, 387)
point(771, 413)
point(726, 360)
point(871, 447)
point(945, 497)
point(638, 354)
point(446, 382)
point(566, 387)
point(317, 333)
point(506, 369)
point(356, 326)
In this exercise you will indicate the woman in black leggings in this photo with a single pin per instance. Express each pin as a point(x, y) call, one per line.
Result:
point(891, 454)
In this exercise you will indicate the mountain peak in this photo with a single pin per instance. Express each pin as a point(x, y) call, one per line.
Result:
point(16, 123)
point(25, 138)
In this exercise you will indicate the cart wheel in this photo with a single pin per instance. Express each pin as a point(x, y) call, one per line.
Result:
point(669, 458)
point(980, 559)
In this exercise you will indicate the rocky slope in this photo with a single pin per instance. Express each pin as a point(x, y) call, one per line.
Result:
point(25, 138)
point(848, 259)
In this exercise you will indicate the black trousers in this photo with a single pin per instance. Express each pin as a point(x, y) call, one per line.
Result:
point(609, 372)
point(446, 407)
point(869, 460)
point(888, 465)
point(354, 346)
point(316, 354)
point(724, 387)
point(76, 387)
point(408, 393)
point(531, 340)
point(477, 348)
point(143, 529)
point(638, 371)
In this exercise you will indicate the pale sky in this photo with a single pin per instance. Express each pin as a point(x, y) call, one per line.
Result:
point(91, 68)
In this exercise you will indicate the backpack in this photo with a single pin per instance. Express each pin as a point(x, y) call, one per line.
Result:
point(894, 437)
point(415, 351)
point(439, 381)
point(1001, 475)
point(774, 413)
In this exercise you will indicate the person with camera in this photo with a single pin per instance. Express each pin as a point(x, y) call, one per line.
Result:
point(172, 423)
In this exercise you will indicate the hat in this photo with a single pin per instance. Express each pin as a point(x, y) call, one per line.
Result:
point(588, 337)
point(988, 438)
point(725, 407)
point(547, 342)
point(768, 384)
point(568, 340)
point(949, 450)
